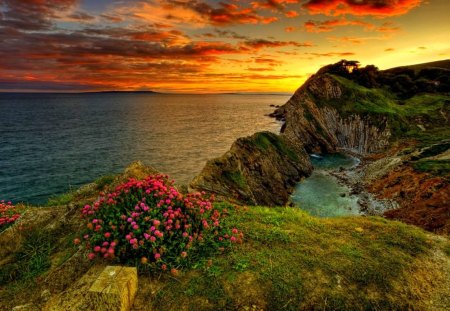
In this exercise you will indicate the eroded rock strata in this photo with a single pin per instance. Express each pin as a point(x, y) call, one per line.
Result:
point(320, 127)
point(262, 169)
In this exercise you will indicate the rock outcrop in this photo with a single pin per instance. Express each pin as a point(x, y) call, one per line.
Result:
point(262, 169)
point(314, 118)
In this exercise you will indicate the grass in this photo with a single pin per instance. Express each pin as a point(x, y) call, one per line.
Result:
point(288, 261)
point(266, 140)
point(236, 177)
point(403, 116)
point(292, 261)
point(435, 167)
point(83, 192)
point(32, 259)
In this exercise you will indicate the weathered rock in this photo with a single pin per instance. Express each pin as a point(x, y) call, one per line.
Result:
point(27, 307)
point(259, 170)
point(310, 120)
point(46, 295)
point(114, 289)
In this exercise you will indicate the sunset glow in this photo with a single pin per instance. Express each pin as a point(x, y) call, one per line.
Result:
point(205, 46)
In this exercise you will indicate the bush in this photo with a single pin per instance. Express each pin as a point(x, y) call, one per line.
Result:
point(8, 214)
point(148, 223)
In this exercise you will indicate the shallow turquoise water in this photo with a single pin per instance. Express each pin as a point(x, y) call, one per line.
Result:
point(321, 194)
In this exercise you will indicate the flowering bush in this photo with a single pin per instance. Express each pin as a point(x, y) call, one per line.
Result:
point(149, 223)
point(8, 214)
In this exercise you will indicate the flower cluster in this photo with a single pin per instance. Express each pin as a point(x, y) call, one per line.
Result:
point(148, 222)
point(8, 213)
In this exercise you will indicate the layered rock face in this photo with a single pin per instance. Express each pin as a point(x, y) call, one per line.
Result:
point(262, 169)
point(311, 119)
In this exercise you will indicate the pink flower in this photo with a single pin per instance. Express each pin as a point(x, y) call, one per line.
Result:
point(157, 256)
point(233, 239)
point(107, 235)
point(97, 249)
point(235, 231)
point(91, 256)
point(152, 238)
point(156, 222)
point(183, 254)
point(128, 237)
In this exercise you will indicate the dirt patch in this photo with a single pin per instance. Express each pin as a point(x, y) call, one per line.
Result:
point(424, 199)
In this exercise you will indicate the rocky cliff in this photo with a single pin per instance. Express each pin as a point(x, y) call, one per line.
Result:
point(317, 117)
point(259, 170)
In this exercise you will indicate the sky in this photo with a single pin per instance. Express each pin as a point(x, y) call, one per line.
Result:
point(205, 46)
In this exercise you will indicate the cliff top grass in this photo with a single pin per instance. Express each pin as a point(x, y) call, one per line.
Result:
point(422, 117)
point(288, 261)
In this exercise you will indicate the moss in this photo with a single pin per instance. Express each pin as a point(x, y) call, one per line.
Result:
point(266, 140)
point(433, 150)
point(308, 115)
point(236, 177)
point(435, 167)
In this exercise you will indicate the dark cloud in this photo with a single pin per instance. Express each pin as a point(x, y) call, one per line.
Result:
point(32, 14)
point(81, 16)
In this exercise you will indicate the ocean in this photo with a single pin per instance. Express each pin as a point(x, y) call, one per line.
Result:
point(51, 143)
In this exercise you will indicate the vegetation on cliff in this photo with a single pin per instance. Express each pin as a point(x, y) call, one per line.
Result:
point(259, 169)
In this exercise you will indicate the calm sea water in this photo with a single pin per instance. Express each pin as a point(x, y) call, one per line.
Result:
point(52, 142)
point(321, 194)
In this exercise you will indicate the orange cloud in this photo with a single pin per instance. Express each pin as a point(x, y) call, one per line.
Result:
point(330, 25)
point(332, 54)
point(263, 43)
point(291, 14)
point(379, 8)
point(289, 29)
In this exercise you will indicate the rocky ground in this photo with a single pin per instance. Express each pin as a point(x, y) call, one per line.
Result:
point(388, 185)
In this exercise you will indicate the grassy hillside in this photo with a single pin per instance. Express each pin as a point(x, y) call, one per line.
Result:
point(422, 117)
point(291, 261)
point(288, 261)
point(445, 64)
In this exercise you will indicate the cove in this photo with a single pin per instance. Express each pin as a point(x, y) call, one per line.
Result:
point(321, 194)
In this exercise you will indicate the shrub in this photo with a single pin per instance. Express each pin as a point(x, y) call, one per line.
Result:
point(8, 214)
point(150, 224)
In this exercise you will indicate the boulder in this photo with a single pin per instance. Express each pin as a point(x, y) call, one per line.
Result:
point(114, 289)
